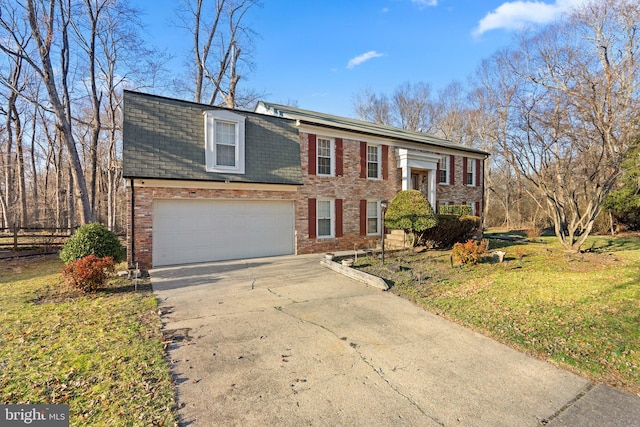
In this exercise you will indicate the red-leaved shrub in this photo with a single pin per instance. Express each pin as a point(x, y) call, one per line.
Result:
point(88, 273)
point(470, 252)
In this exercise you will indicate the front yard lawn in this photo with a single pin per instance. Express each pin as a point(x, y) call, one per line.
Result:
point(99, 353)
point(581, 311)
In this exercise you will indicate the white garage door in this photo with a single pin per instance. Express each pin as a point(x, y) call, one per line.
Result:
point(187, 231)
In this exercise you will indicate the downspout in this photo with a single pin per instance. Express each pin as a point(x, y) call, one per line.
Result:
point(484, 188)
point(132, 227)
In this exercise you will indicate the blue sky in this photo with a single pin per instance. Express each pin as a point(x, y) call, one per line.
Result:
point(320, 52)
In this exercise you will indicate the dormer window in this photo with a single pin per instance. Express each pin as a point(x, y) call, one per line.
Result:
point(224, 141)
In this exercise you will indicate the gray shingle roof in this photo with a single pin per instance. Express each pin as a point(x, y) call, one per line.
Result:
point(359, 126)
point(164, 138)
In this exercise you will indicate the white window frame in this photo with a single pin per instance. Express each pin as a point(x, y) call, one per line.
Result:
point(471, 169)
point(379, 161)
point(332, 155)
point(210, 119)
point(378, 218)
point(332, 218)
point(444, 166)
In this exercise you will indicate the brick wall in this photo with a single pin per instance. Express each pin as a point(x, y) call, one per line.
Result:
point(459, 193)
point(350, 188)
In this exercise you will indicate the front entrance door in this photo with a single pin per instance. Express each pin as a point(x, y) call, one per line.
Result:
point(420, 182)
point(415, 181)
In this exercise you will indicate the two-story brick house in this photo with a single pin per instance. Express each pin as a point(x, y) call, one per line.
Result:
point(208, 183)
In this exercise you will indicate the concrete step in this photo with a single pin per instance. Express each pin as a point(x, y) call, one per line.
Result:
point(394, 240)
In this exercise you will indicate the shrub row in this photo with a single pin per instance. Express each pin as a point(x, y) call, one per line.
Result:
point(457, 210)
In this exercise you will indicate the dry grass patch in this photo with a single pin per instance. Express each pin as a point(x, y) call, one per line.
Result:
point(100, 353)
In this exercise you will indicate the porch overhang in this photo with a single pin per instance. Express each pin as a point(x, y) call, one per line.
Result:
point(409, 160)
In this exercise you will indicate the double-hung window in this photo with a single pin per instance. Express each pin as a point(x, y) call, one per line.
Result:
point(325, 220)
point(224, 141)
point(471, 172)
point(373, 161)
point(325, 153)
point(373, 218)
point(443, 166)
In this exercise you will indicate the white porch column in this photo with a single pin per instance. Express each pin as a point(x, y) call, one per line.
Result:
point(406, 169)
point(432, 189)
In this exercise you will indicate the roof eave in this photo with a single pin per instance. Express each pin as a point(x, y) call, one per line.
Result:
point(380, 135)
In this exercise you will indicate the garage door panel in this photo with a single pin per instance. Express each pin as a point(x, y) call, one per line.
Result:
point(186, 231)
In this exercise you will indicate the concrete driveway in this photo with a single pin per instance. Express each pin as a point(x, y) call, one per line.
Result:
point(285, 341)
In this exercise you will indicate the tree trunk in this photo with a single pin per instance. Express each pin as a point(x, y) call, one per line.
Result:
point(22, 190)
point(234, 78)
point(59, 190)
point(36, 205)
point(71, 205)
point(62, 115)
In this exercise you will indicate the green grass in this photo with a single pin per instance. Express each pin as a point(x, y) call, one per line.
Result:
point(100, 353)
point(581, 311)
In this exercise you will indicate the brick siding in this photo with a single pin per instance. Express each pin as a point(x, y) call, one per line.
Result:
point(460, 193)
point(350, 188)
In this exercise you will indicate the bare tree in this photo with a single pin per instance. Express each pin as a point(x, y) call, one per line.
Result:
point(372, 108)
point(409, 107)
point(221, 43)
point(452, 115)
point(574, 112)
point(47, 18)
point(412, 107)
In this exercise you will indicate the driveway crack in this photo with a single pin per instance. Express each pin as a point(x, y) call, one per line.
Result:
point(378, 371)
point(570, 403)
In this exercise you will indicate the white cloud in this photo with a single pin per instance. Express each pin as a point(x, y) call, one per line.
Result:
point(423, 3)
point(514, 15)
point(362, 58)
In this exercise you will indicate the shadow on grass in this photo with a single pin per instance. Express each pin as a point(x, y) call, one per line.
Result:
point(612, 244)
point(126, 286)
point(501, 244)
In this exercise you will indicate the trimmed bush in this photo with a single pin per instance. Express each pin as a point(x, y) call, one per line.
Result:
point(452, 229)
point(470, 252)
point(410, 211)
point(88, 273)
point(457, 210)
point(92, 239)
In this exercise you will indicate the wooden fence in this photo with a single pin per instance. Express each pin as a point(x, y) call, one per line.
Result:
point(24, 238)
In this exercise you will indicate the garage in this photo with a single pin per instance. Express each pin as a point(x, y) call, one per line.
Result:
point(189, 231)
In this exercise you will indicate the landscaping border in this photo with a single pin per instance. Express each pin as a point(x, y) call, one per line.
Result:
point(361, 276)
